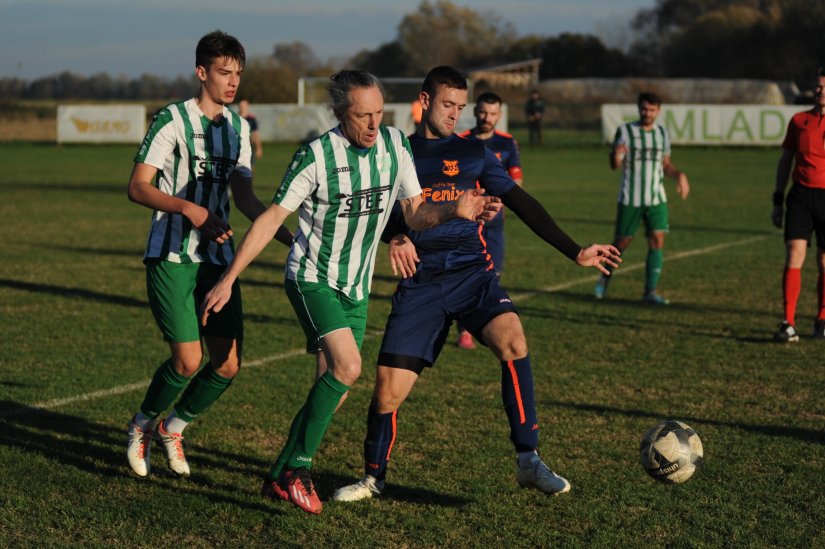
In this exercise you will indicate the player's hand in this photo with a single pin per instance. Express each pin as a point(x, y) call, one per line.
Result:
point(210, 225)
point(619, 153)
point(599, 255)
point(215, 299)
point(470, 204)
point(403, 256)
point(682, 186)
point(776, 216)
point(492, 206)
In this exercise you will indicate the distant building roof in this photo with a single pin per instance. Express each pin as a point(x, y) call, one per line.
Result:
point(520, 74)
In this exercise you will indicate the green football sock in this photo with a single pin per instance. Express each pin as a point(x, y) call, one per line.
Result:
point(310, 424)
point(653, 269)
point(206, 387)
point(165, 387)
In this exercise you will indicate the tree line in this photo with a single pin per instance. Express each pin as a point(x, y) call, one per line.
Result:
point(758, 39)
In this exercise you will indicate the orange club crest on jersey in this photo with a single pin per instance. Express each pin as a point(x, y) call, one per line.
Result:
point(450, 168)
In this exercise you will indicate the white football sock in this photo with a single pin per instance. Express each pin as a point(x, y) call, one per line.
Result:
point(143, 421)
point(174, 424)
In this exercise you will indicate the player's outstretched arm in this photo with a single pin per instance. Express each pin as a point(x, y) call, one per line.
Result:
point(599, 255)
point(538, 219)
point(253, 243)
point(472, 205)
point(249, 205)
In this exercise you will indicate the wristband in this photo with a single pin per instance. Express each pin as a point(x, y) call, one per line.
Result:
point(778, 198)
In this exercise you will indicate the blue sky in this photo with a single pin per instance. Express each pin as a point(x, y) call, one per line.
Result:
point(43, 37)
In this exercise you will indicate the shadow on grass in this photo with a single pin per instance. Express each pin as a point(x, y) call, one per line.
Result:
point(805, 435)
point(613, 303)
point(124, 252)
point(73, 293)
point(98, 449)
point(326, 485)
point(89, 295)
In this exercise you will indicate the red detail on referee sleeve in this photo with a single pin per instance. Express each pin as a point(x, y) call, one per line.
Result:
point(394, 433)
point(517, 390)
point(515, 172)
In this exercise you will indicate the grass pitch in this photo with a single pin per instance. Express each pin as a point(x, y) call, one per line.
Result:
point(79, 346)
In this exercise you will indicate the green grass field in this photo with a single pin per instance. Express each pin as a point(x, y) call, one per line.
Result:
point(79, 346)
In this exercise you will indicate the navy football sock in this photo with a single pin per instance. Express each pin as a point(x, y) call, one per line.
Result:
point(381, 432)
point(519, 403)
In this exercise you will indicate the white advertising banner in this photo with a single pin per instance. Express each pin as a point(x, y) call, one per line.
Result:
point(710, 124)
point(101, 123)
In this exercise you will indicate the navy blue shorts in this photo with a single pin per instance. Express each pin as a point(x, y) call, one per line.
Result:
point(424, 307)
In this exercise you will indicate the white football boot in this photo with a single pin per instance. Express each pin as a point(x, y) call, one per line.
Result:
point(367, 487)
point(139, 447)
point(539, 476)
point(173, 444)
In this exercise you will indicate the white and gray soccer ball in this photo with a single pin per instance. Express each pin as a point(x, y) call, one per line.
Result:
point(671, 452)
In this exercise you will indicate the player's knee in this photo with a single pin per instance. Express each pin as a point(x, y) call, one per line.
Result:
point(386, 400)
point(514, 349)
point(188, 365)
point(229, 369)
point(348, 371)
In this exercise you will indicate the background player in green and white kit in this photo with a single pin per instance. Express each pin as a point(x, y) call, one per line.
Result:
point(343, 186)
point(642, 150)
point(199, 150)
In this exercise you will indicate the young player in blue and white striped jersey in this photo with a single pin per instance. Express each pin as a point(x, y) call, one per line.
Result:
point(198, 150)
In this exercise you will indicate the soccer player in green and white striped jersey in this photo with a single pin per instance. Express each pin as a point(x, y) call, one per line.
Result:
point(343, 186)
point(642, 150)
point(198, 150)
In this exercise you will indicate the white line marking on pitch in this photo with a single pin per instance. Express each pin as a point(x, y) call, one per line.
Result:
point(59, 402)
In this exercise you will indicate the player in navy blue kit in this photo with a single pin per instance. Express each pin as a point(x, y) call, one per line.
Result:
point(488, 112)
point(448, 275)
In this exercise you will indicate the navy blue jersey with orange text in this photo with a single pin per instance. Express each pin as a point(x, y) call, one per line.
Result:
point(446, 168)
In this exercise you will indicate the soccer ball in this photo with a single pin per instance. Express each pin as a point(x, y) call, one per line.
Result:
point(671, 452)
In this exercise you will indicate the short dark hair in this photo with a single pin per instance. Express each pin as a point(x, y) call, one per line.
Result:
point(490, 98)
point(342, 82)
point(649, 97)
point(820, 72)
point(218, 45)
point(446, 75)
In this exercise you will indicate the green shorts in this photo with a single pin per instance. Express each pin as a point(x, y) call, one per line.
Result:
point(176, 291)
point(629, 217)
point(322, 310)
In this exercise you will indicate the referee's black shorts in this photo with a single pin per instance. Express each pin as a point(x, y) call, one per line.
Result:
point(805, 214)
